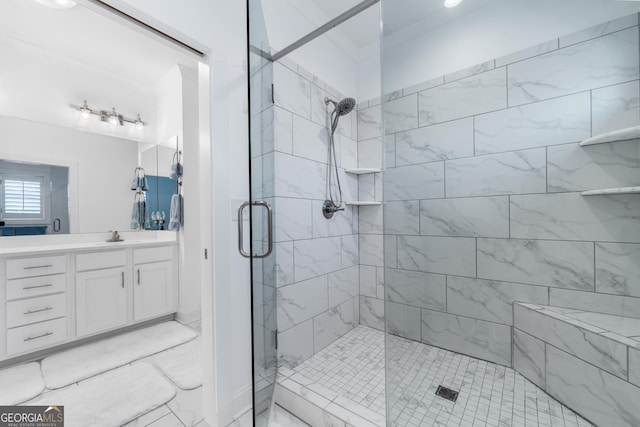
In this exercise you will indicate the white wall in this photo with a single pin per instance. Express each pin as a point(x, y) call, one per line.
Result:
point(189, 234)
point(330, 57)
point(218, 26)
point(501, 27)
point(101, 169)
point(40, 85)
point(169, 97)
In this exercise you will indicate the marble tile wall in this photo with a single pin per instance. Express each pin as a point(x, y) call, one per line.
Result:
point(314, 268)
point(482, 182)
point(586, 360)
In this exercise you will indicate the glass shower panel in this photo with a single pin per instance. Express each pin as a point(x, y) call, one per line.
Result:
point(511, 211)
point(262, 205)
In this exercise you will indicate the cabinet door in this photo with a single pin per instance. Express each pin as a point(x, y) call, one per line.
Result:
point(101, 301)
point(154, 290)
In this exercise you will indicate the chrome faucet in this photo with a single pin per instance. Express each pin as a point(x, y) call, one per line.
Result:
point(115, 236)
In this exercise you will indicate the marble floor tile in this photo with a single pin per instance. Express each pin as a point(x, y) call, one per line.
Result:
point(187, 406)
point(169, 420)
point(283, 418)
point(150, 417)
point(350, 373)
point(185, 409)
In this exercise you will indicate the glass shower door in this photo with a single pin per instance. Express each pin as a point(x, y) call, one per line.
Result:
point(260, 208)
point(504, 200)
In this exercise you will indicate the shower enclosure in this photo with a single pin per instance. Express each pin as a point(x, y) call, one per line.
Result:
point(486, 269)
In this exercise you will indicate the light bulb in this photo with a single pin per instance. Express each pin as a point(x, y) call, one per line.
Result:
point(85, 111)
point(113, 117)
point(451, 3)
point(139, 123)
point(58, 4)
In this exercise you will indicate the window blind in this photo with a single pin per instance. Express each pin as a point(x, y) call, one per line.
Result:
point(22, 197)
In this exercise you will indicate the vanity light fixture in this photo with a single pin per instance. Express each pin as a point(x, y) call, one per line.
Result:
point(139, 123)
point(109, 116)
point(114, 118)
point(451, 3)
point(58, 4)
point(85, 111)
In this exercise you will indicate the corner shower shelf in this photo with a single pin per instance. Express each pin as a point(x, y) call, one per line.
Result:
point(609, 191)
point(363, 203)
point(362, 171)
point(616, 135)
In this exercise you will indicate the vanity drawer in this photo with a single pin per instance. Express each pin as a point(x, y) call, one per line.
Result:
point(40, 266)
point(143, 256)
point(100, 260)
point(34, 310)
point(36, 286)
point(33, 337)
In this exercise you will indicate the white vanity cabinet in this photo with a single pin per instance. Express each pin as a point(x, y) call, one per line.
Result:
point(35, 303)
point(101, 294)
point(153, 291)
point(66, 295)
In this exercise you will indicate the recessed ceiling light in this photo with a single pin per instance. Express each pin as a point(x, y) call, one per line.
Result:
point(58, 4)
point(451, 3)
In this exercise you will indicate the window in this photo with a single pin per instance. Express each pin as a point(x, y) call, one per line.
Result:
point(23, 197)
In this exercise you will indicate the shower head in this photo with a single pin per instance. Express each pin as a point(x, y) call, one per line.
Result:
point(343, 107)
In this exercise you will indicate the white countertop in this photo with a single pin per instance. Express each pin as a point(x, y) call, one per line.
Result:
point(27, 245)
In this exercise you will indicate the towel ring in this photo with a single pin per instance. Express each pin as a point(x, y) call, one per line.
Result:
point(177, 156)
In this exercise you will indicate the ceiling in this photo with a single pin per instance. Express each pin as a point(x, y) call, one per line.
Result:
point(362, 32)
point(85, 35)
point(55, 58)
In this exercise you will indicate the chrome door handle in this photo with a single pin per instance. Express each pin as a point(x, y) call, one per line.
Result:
point(266, 253)
point(46, 334)
point(38, 266)
point(241, 230)
point(37, 287)
point(267, 206)
point(38, 310)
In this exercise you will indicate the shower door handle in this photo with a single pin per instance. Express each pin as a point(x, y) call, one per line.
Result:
point(241, 208)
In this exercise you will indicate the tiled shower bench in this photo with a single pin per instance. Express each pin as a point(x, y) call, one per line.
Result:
point(588, 361)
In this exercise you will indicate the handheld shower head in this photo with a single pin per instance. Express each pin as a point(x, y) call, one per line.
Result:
point(340, 109)
point(343, 107)
point(334, 204)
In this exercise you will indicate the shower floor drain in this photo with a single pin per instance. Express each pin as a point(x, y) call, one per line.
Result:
point(447, 393)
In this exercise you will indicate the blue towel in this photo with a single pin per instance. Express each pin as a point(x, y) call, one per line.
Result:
point(176, 215)
point(139, 183)
point(135, 216)
point(176, 171)
point(145, 223)
point(140, 216)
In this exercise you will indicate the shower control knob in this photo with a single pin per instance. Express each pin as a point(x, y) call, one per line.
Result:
point(329, 208)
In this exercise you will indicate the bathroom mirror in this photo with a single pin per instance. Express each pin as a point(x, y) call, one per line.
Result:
point(46, 75)
point(33, 198)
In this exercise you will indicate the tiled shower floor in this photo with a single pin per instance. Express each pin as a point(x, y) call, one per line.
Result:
point(350, 373)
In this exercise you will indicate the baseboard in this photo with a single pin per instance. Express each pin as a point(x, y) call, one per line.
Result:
point(189, 316)
point(241, 403)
